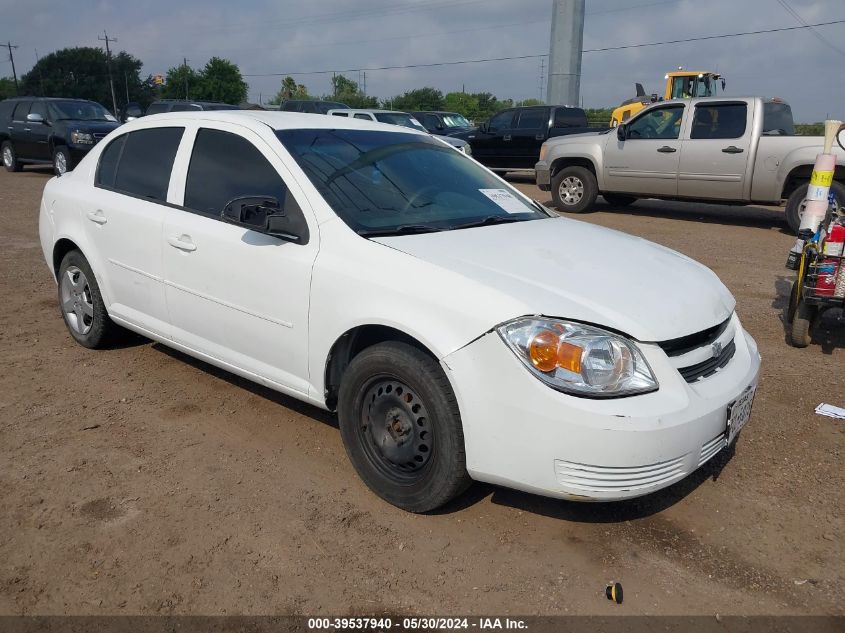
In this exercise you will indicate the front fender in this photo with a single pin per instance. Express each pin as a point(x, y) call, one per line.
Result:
point(560, 154)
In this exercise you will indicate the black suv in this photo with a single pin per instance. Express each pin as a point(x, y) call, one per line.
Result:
point(43, 130)
point(512, 138)
point(311, 105)
point(183, 105)
point(443, 123)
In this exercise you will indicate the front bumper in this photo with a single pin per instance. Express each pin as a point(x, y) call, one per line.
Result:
point(543, 175)
point(522, 434)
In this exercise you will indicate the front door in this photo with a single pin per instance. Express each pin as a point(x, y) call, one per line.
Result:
point(646, 162)
point(493, 147)
point(236, 295)
point(714, 158)
point(37, 135)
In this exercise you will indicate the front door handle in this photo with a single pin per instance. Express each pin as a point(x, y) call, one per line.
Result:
point(667, 150)
point(27, 129)
point(97, 217)
point(733, 149)
point(506, 137)
point(182, 242)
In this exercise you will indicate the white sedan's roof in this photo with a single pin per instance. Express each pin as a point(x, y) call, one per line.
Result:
point(275, 120)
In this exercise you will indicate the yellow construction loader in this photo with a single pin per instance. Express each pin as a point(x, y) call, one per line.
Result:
point(680, 84)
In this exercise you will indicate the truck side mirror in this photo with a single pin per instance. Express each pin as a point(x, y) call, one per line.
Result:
point(484, 127)
point(622, 132)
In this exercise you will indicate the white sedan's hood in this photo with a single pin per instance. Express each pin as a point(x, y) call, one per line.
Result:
point(571, 269)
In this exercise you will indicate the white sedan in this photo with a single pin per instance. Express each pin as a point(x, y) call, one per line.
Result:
point(459, 329)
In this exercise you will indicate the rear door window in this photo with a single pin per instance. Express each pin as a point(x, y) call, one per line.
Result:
point(532, 119)
point(719, 120)
point(146, 162)
point(109, 159)
point(366, 117)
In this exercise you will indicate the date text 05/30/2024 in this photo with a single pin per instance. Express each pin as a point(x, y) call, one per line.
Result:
point(415, 623)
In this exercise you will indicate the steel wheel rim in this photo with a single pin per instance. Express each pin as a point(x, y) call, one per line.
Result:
point(7, 156)
point(61, 162)
point(571, 190)
point(395, 430)
point(77, 302)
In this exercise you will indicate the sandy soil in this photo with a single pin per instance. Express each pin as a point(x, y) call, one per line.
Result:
point(137, 480)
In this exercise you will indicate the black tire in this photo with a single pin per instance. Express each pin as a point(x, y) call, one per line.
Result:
point(10, 157)
point(98, 329)
point(802, 325)
point(61, 153)
point(618, 200)
point(796, 201)
point(793, 302)
point(588, 194)
point(414, 456)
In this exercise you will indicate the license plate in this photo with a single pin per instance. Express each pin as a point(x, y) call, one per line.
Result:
point(739, 411)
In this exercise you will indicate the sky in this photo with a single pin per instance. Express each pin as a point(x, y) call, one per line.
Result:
point(293, 36)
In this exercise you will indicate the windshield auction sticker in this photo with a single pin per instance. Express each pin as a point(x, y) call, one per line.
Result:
point(505, 199)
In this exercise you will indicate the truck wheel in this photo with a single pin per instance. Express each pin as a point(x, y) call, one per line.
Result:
point(802, 324)
point(82, 305)
point(10, 159)
point(574, 189)
point(798, 199)
point(618, 200)
point(401, 427)
point(62, 162)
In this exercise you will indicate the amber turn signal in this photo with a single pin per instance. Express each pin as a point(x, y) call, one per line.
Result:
point(547, 352)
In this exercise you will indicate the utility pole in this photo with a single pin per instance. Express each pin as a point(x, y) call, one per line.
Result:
point(107, 39)
point(185, 72)
point(10, 46)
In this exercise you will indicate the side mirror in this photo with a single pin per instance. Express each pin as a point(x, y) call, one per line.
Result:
point(34, 117)
point(840, 137)
point(264, 215)
point(484, 127)
point(622, 131)
point(440, 126)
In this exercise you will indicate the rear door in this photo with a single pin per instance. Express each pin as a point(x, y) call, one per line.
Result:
point(124, 216)
point(528, 134)
point(646, 162)
point(714, 157)
point(238, 296)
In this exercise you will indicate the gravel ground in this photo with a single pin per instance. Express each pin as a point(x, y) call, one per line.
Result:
point(137, 480)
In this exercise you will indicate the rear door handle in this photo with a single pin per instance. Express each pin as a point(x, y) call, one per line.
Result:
point(733, 149)
point(667, 150)
point(97, 217)
point(182, 242)
point(27, 129)
point(506, 137)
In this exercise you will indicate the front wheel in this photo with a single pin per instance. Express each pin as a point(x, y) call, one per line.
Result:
point(801, 333)
point(62, 162)
point(797, 202)
point(401, 427)
point(574, 189)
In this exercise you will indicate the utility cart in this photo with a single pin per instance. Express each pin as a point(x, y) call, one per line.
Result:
point(820, 286)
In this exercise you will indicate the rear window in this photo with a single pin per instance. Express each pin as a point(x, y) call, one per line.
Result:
point(145, 164)
point(777, 119)
point(570, 117)
point(108, 162)
point(157, 108)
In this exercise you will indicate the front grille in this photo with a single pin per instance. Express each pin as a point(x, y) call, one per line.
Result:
point(709, 366)
point(684, 344)
point(617, 479)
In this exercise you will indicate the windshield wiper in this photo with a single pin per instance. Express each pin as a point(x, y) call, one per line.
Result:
point(405, 229)
point(490, 219)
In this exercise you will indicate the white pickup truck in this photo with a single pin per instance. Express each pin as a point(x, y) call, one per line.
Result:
point(717, 149)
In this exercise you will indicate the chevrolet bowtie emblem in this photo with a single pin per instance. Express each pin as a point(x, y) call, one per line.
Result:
point(717, 349)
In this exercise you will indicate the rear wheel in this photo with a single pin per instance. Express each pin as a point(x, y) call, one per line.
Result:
point(618, 200)
point(802, 324)
point(82, 305)
point(574, 189)
point(401, 427)
point(10, 158)
point(797, 202)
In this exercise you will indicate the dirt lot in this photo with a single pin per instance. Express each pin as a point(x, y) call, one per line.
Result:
point(137, 480)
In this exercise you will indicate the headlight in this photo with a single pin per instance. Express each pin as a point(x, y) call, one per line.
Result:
point(81, 138)
point(579, 359)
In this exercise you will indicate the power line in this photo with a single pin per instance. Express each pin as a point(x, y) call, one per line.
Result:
point(801, 20)
point(589, 50)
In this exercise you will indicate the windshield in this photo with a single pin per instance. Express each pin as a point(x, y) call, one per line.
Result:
point(399, 118)
point(455, 120)
point(80, 111)
point(395, 182)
